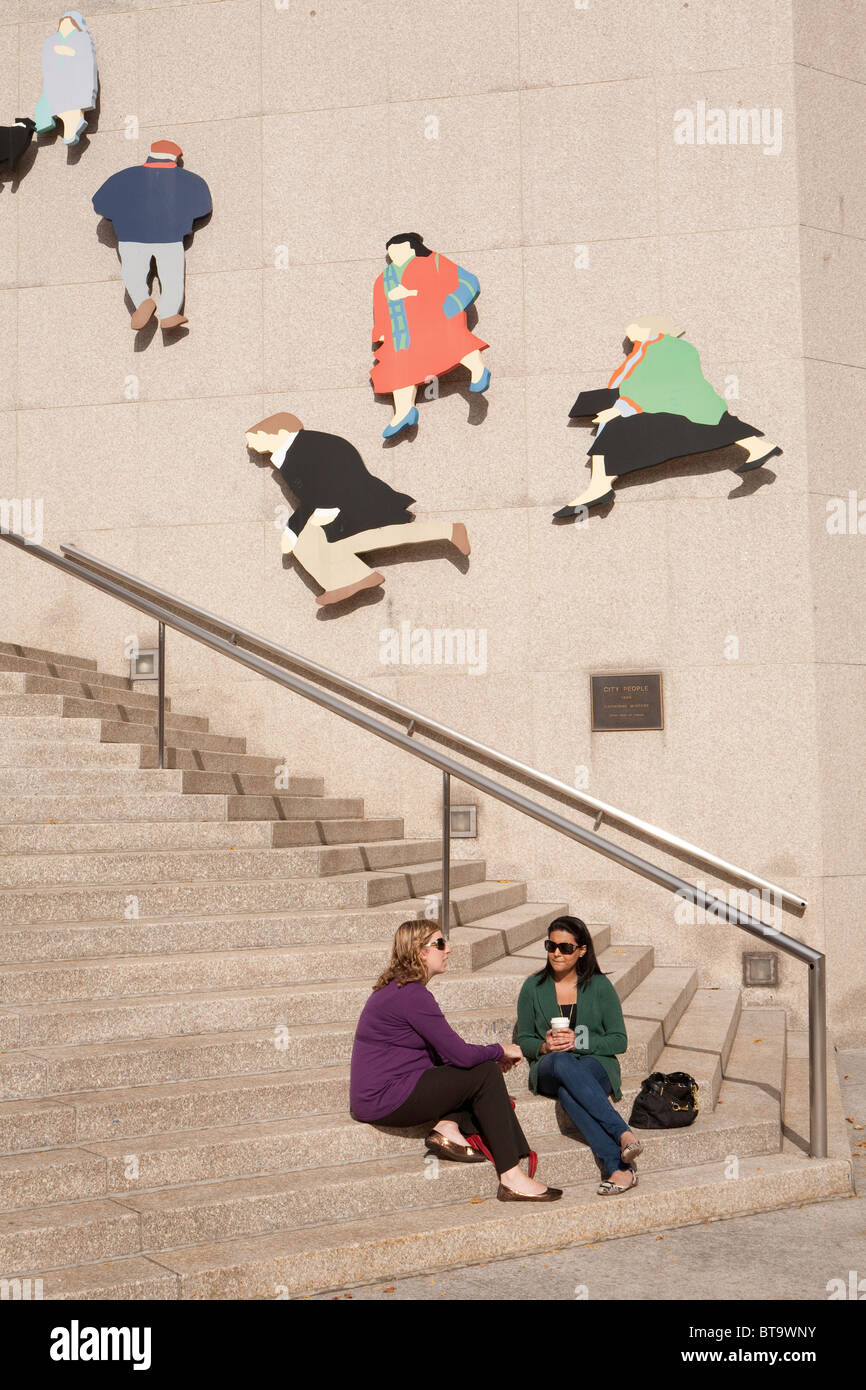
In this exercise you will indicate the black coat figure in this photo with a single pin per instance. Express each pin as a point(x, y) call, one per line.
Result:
point(15, 140)
point(325, 471)
point(342, 512)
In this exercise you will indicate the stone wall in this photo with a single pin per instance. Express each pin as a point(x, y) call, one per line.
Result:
point(533, 141)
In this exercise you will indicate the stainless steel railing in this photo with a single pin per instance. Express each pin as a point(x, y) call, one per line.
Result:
point(417, 723)
point(123, 587)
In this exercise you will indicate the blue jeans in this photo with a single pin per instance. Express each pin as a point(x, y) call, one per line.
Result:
point(582, 1087)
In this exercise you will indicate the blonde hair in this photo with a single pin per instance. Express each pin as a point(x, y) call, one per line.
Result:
point(406, 965)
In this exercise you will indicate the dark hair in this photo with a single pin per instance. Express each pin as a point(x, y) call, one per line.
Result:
point(587, 965)
point(414, 239)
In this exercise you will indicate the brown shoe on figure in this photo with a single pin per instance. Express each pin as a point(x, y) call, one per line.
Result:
point(370, 581)
point(460, 538)
point(143, 314)
point(173, 321)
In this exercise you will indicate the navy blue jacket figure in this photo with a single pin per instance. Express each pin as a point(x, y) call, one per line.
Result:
point(153, 207)
point(154, 201)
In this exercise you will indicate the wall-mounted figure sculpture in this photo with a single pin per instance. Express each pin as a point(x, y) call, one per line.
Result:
point(342, 510)
point(15, 140)
point(657, 406)
point(153, 207)
point(69, 78)
point(419, 326)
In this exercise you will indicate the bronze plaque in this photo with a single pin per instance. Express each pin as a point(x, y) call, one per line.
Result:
point(626, 702)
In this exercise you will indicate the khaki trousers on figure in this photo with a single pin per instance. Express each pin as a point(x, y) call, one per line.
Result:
point(335, 564)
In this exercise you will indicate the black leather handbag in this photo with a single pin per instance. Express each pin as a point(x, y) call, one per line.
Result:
point(667, 1100)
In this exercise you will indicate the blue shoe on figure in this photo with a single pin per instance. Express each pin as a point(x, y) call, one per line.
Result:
point(406, 423)
point(482, 383)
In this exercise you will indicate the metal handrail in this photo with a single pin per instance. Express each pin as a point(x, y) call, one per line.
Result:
point(383, 705)
point(451, 767)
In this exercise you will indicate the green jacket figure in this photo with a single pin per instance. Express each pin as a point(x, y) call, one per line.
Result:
point(598, 1011)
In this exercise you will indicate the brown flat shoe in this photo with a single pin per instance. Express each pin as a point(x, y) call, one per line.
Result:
point(349, 590)
point(143, 314)
point(460, 538)
point(446, 1148)
point(173, 321)
point(507, 1194)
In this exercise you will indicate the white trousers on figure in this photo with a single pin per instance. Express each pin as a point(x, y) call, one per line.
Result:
point(335, 564)
point(135, 259)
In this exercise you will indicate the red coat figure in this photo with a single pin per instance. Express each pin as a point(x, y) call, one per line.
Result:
point(419, 325)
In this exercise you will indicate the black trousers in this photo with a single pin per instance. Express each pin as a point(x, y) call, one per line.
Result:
point(476, 1099)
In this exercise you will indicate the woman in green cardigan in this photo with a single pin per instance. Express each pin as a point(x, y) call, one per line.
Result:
point(577, 1063)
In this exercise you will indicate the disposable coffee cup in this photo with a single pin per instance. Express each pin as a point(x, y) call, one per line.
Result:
point(559, 1022)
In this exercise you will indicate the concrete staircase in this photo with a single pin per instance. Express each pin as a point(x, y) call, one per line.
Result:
point(184, 955)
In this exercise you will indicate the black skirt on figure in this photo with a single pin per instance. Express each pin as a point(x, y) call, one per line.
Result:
point(640, 441)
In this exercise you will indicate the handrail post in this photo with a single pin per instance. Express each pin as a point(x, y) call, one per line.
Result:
point(160, 731)
point(818, 1059)
point(445, 912)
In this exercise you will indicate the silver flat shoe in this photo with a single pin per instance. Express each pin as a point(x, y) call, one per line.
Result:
point(613, 1189)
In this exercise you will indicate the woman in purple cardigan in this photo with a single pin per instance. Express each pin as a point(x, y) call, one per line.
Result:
point(409, 1067)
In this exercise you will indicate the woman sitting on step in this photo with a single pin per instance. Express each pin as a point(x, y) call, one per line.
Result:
point(575, 1060)
point(409, 1067)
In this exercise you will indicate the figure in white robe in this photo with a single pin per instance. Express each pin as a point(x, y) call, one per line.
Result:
point(69, 78)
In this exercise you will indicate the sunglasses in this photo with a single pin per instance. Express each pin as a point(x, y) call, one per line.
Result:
point(439, 942)
point(567, 948)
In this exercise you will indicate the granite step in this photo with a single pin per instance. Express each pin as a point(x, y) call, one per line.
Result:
point(231, 1009)
point(220, 1209)
point(118, 837)
point(57, 670)
point(69, 1233)
point(196, 759)
point(40, 654)
point(278, 806)
point(55, 1071)
point(240, 783)
point(328, 1256)
point(86, 689)
point(339, 1150)
point(145, 735)
point(126, 711)
point(85, 781)
point(286, 834)
point(33, 986)
point(122, 711)
point(74, 753)
point(232, 861)
point(80, 940)
point(508, 931)
point(73, 902)
point(51, 728)
point(118, 1280)
point(707, 1029)
point(120, 903)
point(150, 1107)
point(168, 865)
point(322, 1141)
point(35, 1124)
point(43, 809)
